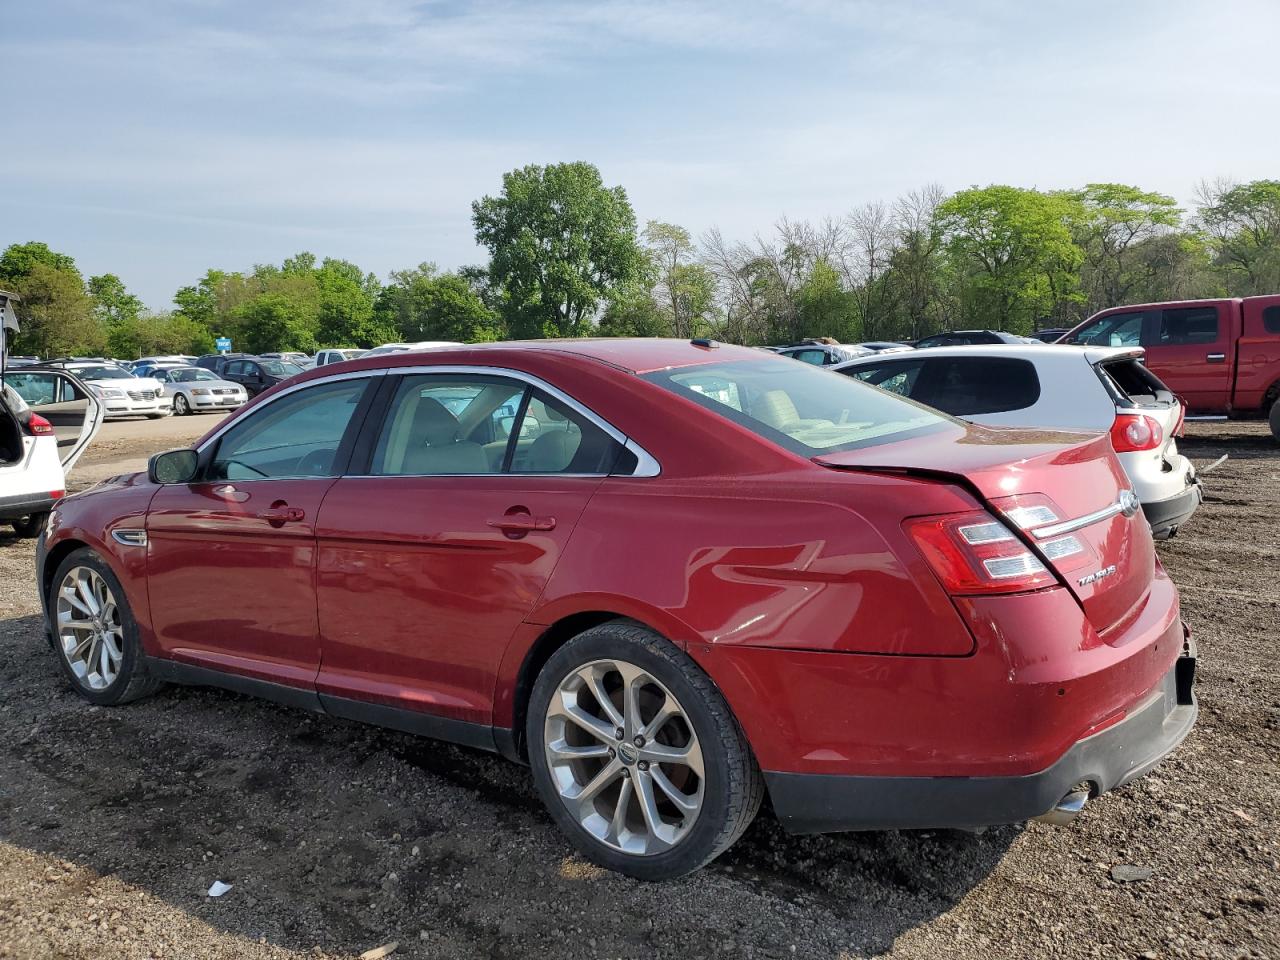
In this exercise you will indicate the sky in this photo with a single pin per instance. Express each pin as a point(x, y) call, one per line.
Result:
point(155, 140)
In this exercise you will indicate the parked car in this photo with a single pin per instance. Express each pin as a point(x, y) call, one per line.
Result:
point(256, 374)
point(149, 368)
point(884, 346)
point(387, 348)
point(325, 357)
point(822, 354)
point(1050, 334)
point(47, 419)
point(216, 361)
point(122, 393)
point(293, 356)
point(969, 338)
point(195, 390)
point(1219, 356)
point(1100, 389)
point(673, 576)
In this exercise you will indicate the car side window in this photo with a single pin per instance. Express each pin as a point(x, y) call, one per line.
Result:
point(1115, 330)
point(1271, 319)
point(448, 424)
point(36, 389)
point(816, 357)
point(898, 377)
point(297, 435)
point(966, 386)
point(555, 438)
point(1187, 325)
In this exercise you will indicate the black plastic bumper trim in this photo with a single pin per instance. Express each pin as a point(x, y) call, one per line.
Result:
point(827, 803)
point(1165, 516)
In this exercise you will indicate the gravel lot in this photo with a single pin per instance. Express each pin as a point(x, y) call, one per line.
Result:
point(338, 838)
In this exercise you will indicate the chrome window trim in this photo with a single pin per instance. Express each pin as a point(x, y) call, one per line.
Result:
point(646, 465)
point(1127, 503)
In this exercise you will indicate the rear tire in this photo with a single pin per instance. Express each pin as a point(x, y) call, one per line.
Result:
point(1274, 419)
point(30, 526)
point(679, 785)
point(95, 636)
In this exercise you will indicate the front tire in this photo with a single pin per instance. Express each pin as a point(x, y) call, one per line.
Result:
point(180, 406)
point(96, 638)
point(29, 526)
point(637, 755)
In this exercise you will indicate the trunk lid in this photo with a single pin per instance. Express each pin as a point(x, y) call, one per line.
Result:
point(1010, 470)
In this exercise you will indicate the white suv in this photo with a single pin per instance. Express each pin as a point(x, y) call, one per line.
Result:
point(1096, 389)
point(47, 418)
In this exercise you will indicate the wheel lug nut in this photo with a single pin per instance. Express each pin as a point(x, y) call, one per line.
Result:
point(612, 753)
point(639, 741)
point(619, 733)
point(626, 774)
point(643, 765)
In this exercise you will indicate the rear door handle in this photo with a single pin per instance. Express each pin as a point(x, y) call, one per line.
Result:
point(523, 523)
point(1216, 358)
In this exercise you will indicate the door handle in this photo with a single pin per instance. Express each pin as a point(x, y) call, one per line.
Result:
point(522, 523)
point(1216, 358)
point(281, 513)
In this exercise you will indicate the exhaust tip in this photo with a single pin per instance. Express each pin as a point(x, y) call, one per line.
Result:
point(1068, 808)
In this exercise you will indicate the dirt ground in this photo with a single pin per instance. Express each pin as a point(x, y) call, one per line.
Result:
point(338, 838)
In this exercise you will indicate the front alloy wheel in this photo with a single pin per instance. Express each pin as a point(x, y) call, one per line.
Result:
point(90, 632)
point(623, 757)
point(180, 406)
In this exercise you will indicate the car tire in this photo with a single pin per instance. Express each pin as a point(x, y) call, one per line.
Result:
point(1274, 419)
point(29, 526)
point(156, 416)
point(95, 673)
point(655, 836)
point(180, 406)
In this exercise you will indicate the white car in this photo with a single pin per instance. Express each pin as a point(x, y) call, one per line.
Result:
point(47, 418)
point(197, 390)
point(406, 347)
point(123, 394)
point(325, 357)
point(1096, 389)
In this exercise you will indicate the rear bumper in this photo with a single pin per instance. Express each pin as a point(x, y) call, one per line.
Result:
point(1166, 516)
point(825, 803)
point(24, 505)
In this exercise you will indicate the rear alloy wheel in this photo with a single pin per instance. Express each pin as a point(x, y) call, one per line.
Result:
point(95, 634)
point(637, 755)
point(1274, 419)
point(180, 406)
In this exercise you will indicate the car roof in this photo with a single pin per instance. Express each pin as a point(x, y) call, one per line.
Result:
point(1023, 351)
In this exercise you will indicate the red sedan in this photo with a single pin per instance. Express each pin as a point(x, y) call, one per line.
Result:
point(669, 575)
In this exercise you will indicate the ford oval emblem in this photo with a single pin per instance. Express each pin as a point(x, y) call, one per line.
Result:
point(1129, 503)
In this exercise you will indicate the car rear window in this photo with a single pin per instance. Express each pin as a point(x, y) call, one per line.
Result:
point(965, 386)
point(804, 409)
point(1131, 383)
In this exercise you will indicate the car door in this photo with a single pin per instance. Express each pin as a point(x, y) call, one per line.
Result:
point(1190, 349)
point(231, 555)
point(440, 542)
point(64, 400)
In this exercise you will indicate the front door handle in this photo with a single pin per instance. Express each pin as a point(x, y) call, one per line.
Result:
point(281, 513)
point(1216, 358)
point(522, 523)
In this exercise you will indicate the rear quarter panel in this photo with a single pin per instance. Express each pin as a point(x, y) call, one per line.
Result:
point(1257, 357)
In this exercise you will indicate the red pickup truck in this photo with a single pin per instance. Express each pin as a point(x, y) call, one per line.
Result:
point(1219, 356)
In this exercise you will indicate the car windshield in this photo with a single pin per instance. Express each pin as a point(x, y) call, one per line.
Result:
point(100, 373)
point(280, 368)
point(802, 408)
point(186, 374)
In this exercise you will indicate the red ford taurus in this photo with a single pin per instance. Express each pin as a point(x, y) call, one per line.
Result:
point(669, 575)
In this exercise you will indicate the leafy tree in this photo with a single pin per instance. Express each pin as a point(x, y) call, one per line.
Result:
point(1015, 252)
point(276, 321)
point(19, 259)
point(56, 313)
point(826, 308)
point(1242, 222)
point(561, 244)
point(345, 310)
point(684, 290)
point(112, 303)
point(422, 304)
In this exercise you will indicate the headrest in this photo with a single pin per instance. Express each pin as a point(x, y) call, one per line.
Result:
point(433, 424)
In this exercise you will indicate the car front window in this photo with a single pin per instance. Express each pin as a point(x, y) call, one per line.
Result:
point(279, 368)
point(801, 408)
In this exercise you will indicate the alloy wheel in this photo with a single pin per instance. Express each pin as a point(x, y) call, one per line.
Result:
point(624, 758)
point(90, 633)
point(180, 405)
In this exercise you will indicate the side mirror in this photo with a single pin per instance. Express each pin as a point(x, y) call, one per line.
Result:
point(173, 466)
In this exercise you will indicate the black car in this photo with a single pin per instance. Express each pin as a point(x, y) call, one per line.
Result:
point(256, 374)
point(216, 361)
point(969, 338)
point(1050, 334)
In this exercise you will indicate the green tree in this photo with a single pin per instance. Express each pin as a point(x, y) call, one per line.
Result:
point(56, 313)
point(561, 244)
point(276, 321)
point(112, 303)
point(19, 259)
point(345, 315)
point(826, 308)
point(422, 304)
point(684, 290)
point(1015, 252)
point(1242, 222)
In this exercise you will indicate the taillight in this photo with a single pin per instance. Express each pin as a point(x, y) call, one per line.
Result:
point(1033, 511)
point(1181, 425)
point(1134, 431)
point(974, 553)
point(39, 426)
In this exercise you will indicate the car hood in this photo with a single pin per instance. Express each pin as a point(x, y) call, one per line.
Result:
point(129, 383)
